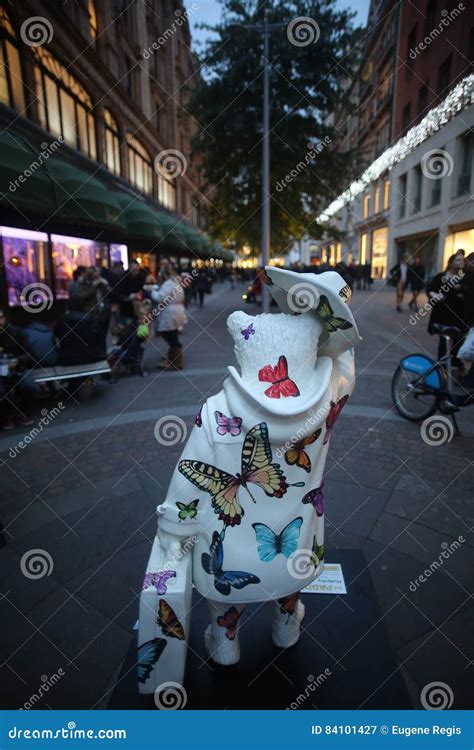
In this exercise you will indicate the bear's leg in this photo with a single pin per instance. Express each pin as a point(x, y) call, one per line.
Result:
point(288, 614)
point(221, 637)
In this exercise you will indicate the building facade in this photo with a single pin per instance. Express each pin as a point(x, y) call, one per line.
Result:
point(95, 139)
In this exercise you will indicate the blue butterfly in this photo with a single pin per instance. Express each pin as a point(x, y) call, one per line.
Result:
point(271, 544)
point(224, 580)
point(148, 655)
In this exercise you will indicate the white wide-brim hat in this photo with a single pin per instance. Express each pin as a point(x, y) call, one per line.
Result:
point(325, 294)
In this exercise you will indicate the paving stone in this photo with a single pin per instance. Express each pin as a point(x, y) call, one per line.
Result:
point(352, 508)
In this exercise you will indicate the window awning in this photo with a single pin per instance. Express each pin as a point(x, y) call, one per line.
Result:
point(141, 221)
point(24, 183)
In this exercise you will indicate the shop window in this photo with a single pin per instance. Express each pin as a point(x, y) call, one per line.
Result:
point(140, 171)
point(379, 252)
point(422, 100)
point(70, 252)
point(11, 79)
point(64, 106)
point(463, 240)
point(119, 254)
point(465, 149)
point(430, 16)
point(386, 194)
point(111, 143)
point(25, 256)
point(436, 186)
point(93, 27)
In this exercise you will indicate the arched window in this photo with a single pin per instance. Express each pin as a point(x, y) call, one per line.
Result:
point(111, 142)
point(140, 172)
point(11, 80)
point(65, 107)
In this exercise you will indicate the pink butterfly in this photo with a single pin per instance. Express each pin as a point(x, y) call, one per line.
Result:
point(227, 424)
point(229, 621)
point(158, 580)
point(334, 412)
point(316, 498)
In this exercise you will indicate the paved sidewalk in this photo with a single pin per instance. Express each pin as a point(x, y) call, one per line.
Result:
point(86, 488)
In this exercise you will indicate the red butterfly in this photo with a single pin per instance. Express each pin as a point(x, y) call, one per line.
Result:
point(331, 418)
point(229, 621)
point(278, 376)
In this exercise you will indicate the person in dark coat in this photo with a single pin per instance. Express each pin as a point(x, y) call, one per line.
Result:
point(17, 386)
point(467, 288)
point(399, 277)
point(367, 275)
point(446, 299)
point(416, 280)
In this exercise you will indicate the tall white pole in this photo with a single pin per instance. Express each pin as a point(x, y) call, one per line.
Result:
point(266, 159)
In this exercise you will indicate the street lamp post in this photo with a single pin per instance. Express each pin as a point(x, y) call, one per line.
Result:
point(266, 159)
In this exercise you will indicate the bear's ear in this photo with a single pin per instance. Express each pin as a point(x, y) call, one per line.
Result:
point(236, 322)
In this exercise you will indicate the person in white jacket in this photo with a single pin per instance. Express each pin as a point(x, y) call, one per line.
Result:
point(171, 315)
point(249, 484)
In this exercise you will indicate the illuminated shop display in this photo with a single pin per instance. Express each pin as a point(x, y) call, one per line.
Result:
point(119, 254)
point(26, 261)
point(71, 252)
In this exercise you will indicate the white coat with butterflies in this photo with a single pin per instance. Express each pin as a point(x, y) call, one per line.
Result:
point(249, 484)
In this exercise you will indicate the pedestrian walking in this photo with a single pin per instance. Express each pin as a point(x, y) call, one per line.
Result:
point(416, 280)
point(399, 274)
point(445, 293)
point(202, 284)
point(366, 276)
point(171, 314)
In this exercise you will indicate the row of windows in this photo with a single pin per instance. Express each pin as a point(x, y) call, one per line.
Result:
point(427, 193)
point(65, 109)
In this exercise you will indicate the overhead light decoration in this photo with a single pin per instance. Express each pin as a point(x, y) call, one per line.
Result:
point(458, 99)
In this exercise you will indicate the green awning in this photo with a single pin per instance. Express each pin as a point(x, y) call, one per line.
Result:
point(82, 198)
point(24, 182)
point(141, 221)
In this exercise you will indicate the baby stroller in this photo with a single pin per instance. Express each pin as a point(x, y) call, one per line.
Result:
point(132, 334)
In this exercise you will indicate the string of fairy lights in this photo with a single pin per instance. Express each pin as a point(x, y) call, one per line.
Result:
point(460, 97)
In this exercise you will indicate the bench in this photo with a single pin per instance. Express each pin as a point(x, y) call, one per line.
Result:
point(69, 372)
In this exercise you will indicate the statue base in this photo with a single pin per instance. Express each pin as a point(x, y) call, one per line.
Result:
point(343, 659)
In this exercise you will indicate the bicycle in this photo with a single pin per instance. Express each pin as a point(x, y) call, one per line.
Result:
point(421, 386)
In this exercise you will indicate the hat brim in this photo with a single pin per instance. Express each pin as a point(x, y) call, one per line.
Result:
point(325, 294)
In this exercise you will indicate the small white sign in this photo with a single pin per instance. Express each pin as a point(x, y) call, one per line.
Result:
point(331, 581)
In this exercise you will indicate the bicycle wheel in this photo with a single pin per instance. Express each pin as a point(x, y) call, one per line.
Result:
point(412, 402)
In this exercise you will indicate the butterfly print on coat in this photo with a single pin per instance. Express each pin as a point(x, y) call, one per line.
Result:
point(229, 621)
point(297, 454)
point(282, 385)
point(334, 411)
point(247, 332)
point(316, 498)
point(224, 580)
point(158, 580)
point(231, 425)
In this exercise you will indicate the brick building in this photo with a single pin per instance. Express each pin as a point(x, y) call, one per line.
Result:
point(95, 138)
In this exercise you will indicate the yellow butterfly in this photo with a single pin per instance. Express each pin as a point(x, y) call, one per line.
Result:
point(169, 622)
point(257, 467)
point(331, 321)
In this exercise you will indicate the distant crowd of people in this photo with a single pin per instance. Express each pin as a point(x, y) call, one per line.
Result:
point(105, 306)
